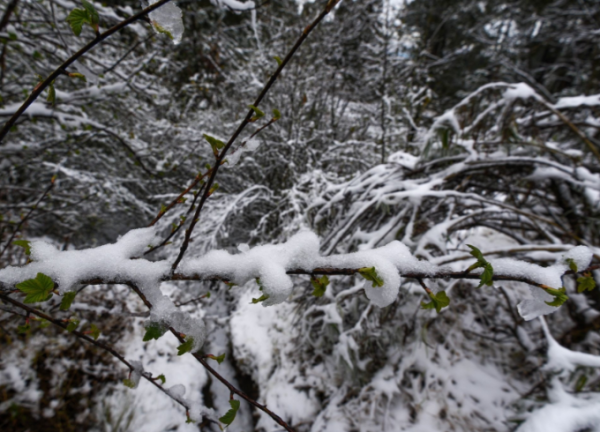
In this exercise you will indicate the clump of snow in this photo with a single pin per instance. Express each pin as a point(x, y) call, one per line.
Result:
point(110, 262)
point(235, 156)
point(169, 18)
point(577, 101)
point(581, 256)
point(268, 262)
point(519, 91)
point(136, 373)
point(565, 413)
point(235, 4)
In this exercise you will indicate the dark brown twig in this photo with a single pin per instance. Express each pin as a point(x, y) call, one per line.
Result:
point(90, 340)
point(221, 156)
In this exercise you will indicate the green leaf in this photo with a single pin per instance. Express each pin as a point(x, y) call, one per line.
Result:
point(560, 296)
point(51, 93)
point(262, 298)
point(585, 283)
point(44, 323)
point(77, 18)
point(186, 346)
point(25, 244)
point(278, 60)
point(487, 275)
point(580, 383)
point(214, 143)
point(73, 324)
point(276, 114)
point(154, 331)
point(160, 29)
point(218, 359)
point(444, 137)
point(438, 301)
point(38, 289)
point(162, 378)
point(229, 416)
point(67, 300)
point(258, 113)
point(92, 14)
point(320, 285)
point(370, 274)
point(94, 331)
point(22, 329)
point(572, 264)
point(128, 383)
point(478, 255)
point(78, 75)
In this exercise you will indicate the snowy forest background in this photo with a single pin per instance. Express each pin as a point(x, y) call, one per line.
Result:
point(436, 123)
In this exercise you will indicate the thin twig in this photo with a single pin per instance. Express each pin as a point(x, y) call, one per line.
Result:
point(33, 208)
point(221, 156)
point(62, 68)
point(90, 340)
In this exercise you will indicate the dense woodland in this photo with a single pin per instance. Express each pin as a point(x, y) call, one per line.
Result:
point(437, 124)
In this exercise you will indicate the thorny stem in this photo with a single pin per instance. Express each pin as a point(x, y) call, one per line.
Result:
point(62, 68)
point(221, 156)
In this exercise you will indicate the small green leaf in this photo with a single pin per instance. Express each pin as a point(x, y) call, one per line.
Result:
point(76, 19)
point(278, 60)
point(585, 283)
point(67, 300)
point(51, 93)
point(162, 378)
point(229, 416)
point(38, 289)
point(186, 346)
point(44, 323)
point(78, 75)
point(218, 359)
point(213, 188)
point(276, 114)
point(262, 298)
point(560, 296)
point(444, 137)
point(154, 331)
point(370, 274)
point(73, 324)
point(320, 285)
point(162, 30)
point(22, 329)
point(580, 383)
point(487, 275)
point(25, 244)
point(478, 255)
point(94, 331)
point(215, 144)
point(258, 113)
point(92, 14)
point(572, 264)
point(438, 301)
point(128, 383)
point(12, 36)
